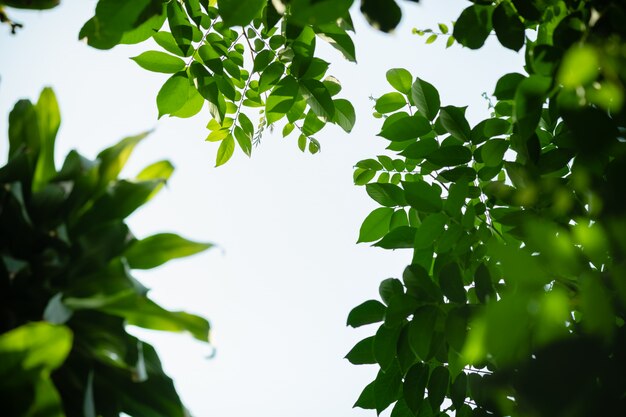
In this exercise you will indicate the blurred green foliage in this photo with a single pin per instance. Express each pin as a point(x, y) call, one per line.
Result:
point(66, 289)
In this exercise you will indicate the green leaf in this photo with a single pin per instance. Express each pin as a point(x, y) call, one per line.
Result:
point(451, 283)
point(157, 249)
point(423, 196)
point(159, 170)
point(270, 76)
point(166, 41)
point(421, 330)
point(456, 328)
point(366, 400)
point(507, 85)
point(429, 231)
point(385, 344)
point(390, 102)
point(174, 94)
point(318, 98)
point(362, 176)
point(338, 38)
point(401, 127)
point(453, 120)
point(388, 195)
point(303, 48)
point(375, 225)
point(244, 140)
point(483, 284)
point(580, 66)
point(414, 387)
point(345, 115)
point(33, 350)
point(529, 99)
point(281, 99)
point(368, 312)
point(438, 386)
point(400, 79)
point(315, 12)
point(159, 62)
point(142, 312)
point(262, 60)
point(492, 152)
point(489, 128)
point(363, 352)
point(48, 121)
point(426, 98)
point(419, 284)
point(399, 238)
point(508, 26)
point(473, 26)
point(383, 15)
point(458, 390)
point(400, 307)
point(421, 149)
point(114, 158)
point(387, 387)
point(239, 12)
point(225, 151)
point(24, 129)
point(448, 156)
point(390, 288)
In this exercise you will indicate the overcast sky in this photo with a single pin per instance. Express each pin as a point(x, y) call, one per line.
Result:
point(287, 271)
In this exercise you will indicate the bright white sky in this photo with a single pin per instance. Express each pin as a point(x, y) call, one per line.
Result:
point(287, 273)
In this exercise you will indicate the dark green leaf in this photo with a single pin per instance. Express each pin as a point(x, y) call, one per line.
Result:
point(239, 12)
point(419, 284)
point(508, 27)
point(423, 196)
point(451, 283)
point(421, 149)
point(398, 238)
point(367, 399)
point(370, 311)
point(473, 26)
point(429, 231)
point(383, 15)
point(484, 286)
point(492, 152)
point(426, 98)
point(390, 288)
point(453, 120)
point(388, 195)
point(448, 156)
point(438, 386)
point(529, 99)
point(387, 387)
point(421, 330)
point(414, 387)
point(363, 352)
point(507, 85)
point(385, 343)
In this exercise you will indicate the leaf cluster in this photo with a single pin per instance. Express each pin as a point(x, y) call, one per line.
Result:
point(514, 302)
point(67, 292)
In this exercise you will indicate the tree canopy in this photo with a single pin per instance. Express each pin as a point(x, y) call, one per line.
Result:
point(514, 301)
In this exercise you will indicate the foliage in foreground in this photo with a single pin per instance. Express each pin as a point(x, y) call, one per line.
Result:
point(515, 299)
point(66, 289)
